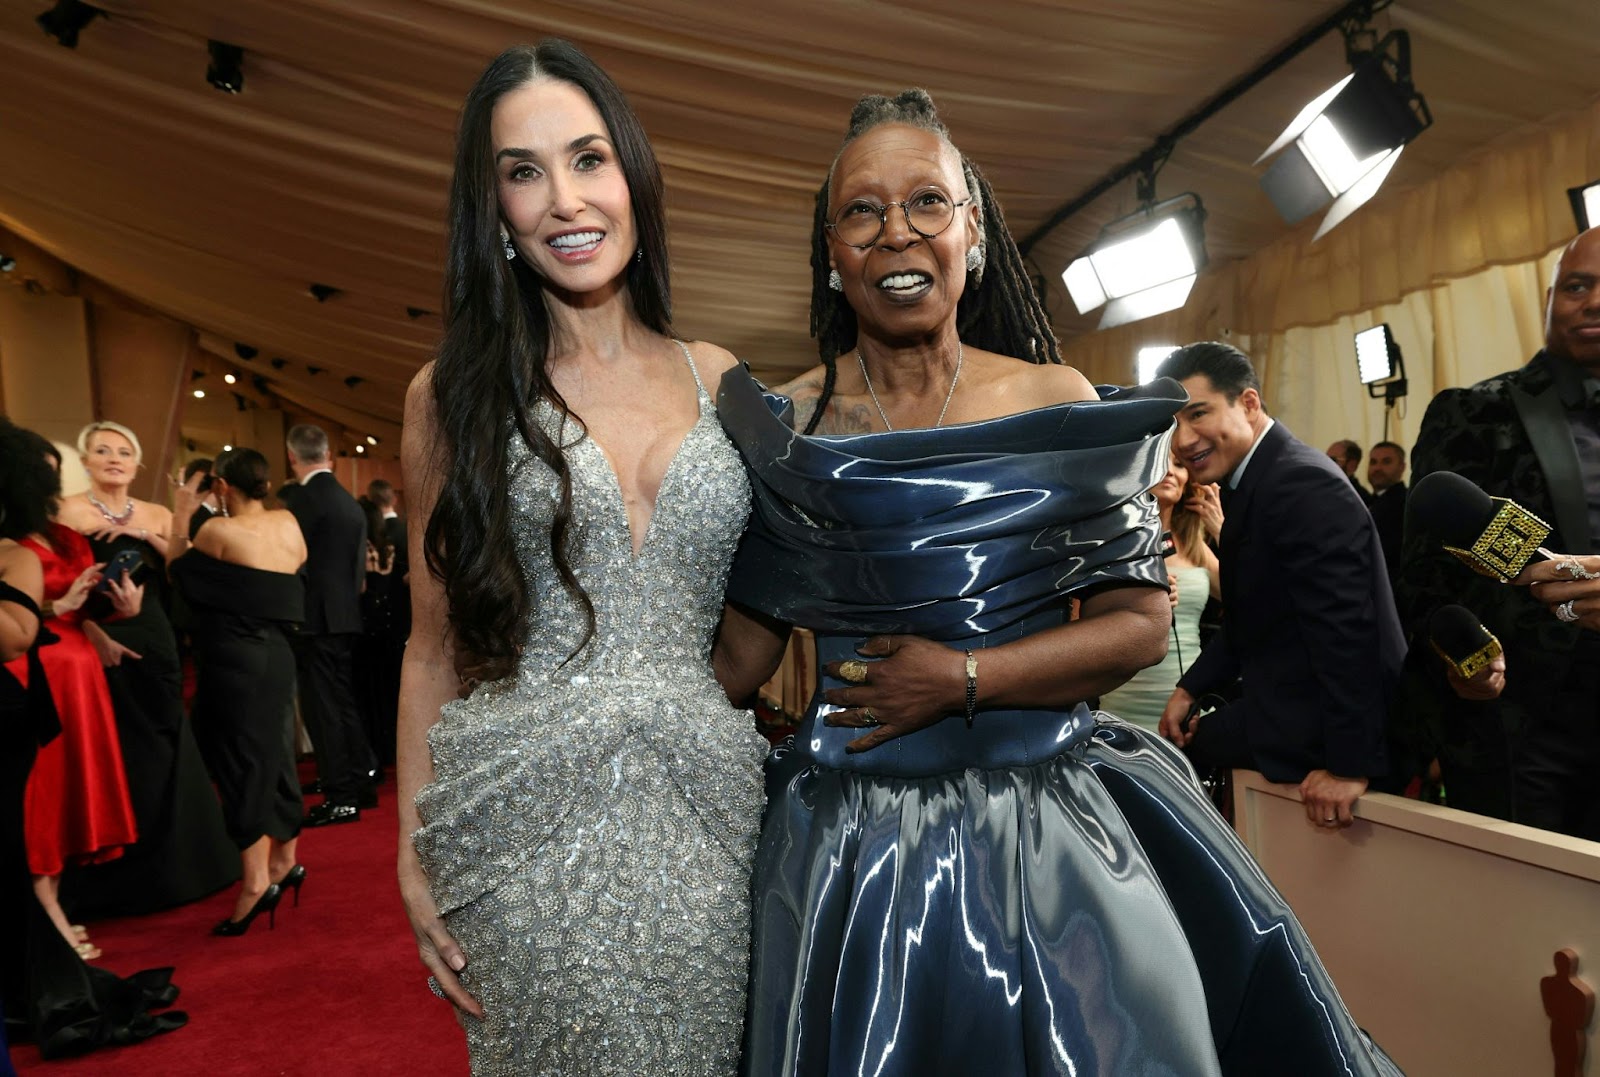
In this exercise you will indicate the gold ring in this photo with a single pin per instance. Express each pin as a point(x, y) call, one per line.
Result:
point(853, 670)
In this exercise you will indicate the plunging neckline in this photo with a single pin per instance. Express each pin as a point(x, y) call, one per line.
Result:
point(637, 547)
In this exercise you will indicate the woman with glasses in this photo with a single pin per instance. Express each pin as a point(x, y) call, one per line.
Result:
point(963, 869)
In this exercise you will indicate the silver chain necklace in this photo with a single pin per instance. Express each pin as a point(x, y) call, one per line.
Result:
point(887, 425)
point(119, 520)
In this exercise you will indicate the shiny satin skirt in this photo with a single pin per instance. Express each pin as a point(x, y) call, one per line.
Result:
point(1085, 914)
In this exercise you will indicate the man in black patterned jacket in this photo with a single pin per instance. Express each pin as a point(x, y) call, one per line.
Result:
point(1529, 752)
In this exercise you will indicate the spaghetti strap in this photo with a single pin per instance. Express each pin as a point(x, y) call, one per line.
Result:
point(692, 368)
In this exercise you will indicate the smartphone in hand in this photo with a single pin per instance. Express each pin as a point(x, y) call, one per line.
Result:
point(122, 564)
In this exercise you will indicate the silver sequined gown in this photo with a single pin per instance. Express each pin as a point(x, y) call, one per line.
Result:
point(591, 827)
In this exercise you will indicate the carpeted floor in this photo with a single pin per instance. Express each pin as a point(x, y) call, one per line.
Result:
point(335, 989)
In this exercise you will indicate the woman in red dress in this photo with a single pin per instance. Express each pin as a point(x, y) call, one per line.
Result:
point(77, 808)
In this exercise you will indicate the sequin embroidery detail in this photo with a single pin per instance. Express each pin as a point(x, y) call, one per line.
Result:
point(591, 827)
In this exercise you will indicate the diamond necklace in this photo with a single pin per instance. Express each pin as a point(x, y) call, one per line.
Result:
point(947, 396)
point(119, 520)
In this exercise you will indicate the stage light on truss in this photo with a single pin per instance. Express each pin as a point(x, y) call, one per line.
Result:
point(1150, 357)
point(1342, 146)
point(1380, 364)
point(1142, 265)
point(1585, 205)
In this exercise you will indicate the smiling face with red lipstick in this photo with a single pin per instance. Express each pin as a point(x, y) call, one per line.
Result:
point(564, 200)
point(1572, 313)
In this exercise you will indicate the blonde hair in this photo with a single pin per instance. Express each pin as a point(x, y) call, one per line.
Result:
point(116, 428)
point(1188, 531)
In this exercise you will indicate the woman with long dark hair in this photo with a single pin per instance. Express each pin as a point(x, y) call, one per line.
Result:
point(78, 808)
point(964, 869)
point(241, 582)
point(584, 799)
point(47, 990)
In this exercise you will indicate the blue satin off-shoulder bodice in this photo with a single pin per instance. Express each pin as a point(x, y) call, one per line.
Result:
point(973, 535)
point(1048, 892)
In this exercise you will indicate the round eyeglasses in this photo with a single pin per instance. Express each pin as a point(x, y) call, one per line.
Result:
point(859, 223)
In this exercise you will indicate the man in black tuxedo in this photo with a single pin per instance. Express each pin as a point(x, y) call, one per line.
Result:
point(1346, 455)
point(335, 531)
point(1386, 471)
point(1529, 752)
point(1308, 619)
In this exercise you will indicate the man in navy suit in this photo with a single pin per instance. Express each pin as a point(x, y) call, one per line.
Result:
point(335, 531)
point(1308, 619)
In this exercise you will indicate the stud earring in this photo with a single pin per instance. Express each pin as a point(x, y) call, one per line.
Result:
point(835, 281)
point(975, 261)
point(511, 248)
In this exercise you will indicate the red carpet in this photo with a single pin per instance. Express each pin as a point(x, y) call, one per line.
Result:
point(336, 989)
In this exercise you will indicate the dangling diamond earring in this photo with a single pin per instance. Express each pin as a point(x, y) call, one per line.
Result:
point(835, 281)
point(975, 261)
point(638, 256)
point(511, 249)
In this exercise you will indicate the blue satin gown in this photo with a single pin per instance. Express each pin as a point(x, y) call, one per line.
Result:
point(1048, 892)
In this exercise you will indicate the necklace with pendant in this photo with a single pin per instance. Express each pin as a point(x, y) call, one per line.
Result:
point(960, 355)
point(115, 518)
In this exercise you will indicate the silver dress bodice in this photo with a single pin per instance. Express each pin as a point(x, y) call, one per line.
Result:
point(591, 827)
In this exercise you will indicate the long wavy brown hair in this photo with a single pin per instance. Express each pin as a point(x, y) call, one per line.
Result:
point(491, 367)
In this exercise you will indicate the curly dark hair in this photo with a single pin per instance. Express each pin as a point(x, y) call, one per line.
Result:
point(999, 310)
point(245, 470)
point(491, 365)
point(29, 486)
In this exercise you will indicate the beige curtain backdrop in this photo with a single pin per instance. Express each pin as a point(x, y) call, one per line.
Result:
point(1457, 266)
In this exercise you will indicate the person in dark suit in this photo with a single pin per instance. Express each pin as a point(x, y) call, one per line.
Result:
point(1386, 471)
point(336, 565)
point(1530, 752)
point(381, 492)
point(1309, 622)
point(201, 465)
point(1346, 455)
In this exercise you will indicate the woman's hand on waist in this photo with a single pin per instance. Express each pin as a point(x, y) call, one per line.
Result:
point(911, 683)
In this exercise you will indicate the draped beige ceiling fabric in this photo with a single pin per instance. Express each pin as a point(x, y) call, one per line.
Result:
point(332, 165)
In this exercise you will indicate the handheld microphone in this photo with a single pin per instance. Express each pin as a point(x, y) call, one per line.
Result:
point(1461, 640)
point(1493, 536)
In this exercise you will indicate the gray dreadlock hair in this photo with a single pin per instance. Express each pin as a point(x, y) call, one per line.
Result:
point(998, 312)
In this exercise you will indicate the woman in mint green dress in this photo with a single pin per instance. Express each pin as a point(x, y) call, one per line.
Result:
point(1192, 570)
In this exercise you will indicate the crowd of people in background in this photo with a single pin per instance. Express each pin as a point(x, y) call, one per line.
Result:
point(1323, 671)
point(1299, 642)
point(121, 796)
